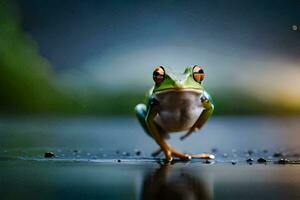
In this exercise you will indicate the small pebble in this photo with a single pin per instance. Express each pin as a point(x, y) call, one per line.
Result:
point(75, 151)
point(261, 160)
point(137, 152)
point(49, 155)
point(119, 160)
point(283, 161)
point(265, 151)
point(225, 155)
point(117, 152)
point(294, 28)
point(249, 160)
point(233, 162)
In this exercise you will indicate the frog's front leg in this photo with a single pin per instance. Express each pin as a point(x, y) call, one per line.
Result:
point(208, 106)
point(158, 136)
point(141, 113)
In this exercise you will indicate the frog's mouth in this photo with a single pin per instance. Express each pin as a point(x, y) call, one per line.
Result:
point(180, 90)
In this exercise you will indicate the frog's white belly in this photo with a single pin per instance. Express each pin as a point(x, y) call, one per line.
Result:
point(178, 110)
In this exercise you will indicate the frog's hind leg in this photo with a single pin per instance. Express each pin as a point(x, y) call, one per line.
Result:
point(145, 118)
point(141, 113)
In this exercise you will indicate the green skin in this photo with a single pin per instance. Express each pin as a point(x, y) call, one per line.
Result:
point(177, 85)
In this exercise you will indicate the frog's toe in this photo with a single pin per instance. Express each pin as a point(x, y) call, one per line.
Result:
point(181, 155)
point(169, 159)
point(204, 156)
point(168, 155)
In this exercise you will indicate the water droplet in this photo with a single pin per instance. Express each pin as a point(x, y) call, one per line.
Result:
point(295, 28)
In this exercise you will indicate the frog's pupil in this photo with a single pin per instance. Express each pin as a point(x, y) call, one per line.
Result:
point(201, 71)
point(156, 73)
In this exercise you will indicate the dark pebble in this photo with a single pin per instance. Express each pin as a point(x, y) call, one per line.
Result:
point(119, 160)
point(261, 160)
point(249, 160)
point(49, 155)
point(75, 151)
point(283, 161)
point(214, 150)
point(138, 152)
point(265, 151)
point(277, 154)
point(233, 162)
point(117, 152)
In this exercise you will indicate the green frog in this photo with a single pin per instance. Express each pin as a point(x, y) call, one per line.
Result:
point(177, 102)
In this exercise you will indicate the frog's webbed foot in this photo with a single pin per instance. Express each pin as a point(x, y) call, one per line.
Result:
point(185, 156)
point(172, 152)
point(180, 155)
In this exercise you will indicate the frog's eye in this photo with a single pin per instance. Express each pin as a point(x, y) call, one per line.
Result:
point(198, 73)
point(158, 74)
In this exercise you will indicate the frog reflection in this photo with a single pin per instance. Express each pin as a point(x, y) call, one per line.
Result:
point(175, 184)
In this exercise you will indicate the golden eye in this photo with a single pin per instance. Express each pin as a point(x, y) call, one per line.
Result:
point(198, 73)
point(158, 74)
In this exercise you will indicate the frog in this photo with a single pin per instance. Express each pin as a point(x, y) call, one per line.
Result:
point(177, 102)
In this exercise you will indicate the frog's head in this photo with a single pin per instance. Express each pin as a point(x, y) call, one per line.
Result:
point(189, 80)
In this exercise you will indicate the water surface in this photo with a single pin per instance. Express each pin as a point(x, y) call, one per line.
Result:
point(110, 158)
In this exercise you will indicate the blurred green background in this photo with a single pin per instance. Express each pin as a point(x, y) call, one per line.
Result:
point(97, 57)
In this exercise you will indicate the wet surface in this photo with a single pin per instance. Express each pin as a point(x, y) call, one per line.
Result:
point(89, 158)
point(61, 179)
